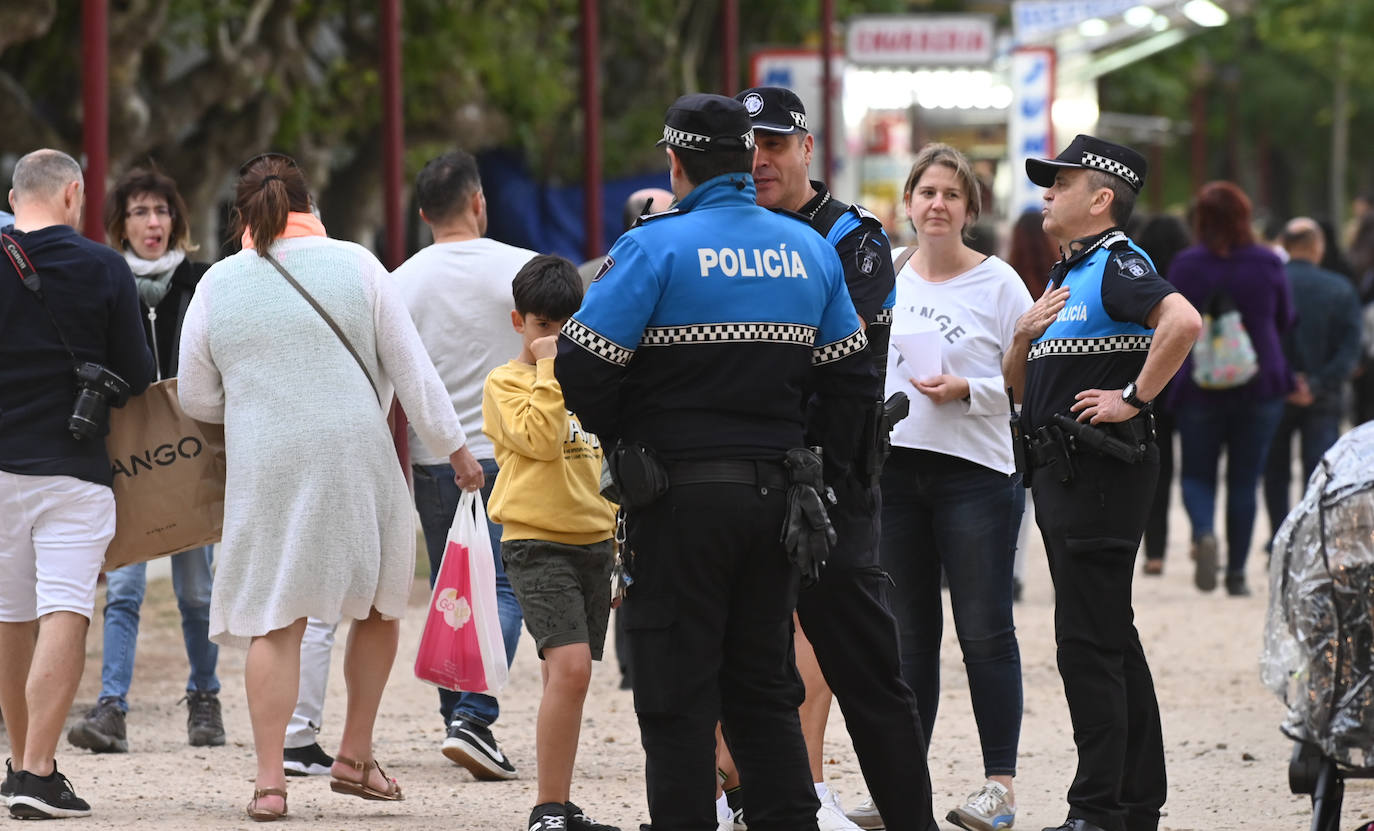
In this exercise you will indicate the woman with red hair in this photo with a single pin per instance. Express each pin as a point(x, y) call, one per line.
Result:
point(1227, 266)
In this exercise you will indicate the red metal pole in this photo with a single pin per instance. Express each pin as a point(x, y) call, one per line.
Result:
point(393, 146)
point(393, 135)
point(95, 111)
point(591, 108)
point(827, 83)
point(729, 36)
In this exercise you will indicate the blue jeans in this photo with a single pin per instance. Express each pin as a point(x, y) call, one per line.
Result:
point(1246, 431)
point(436, 498)
point(943, 512)
point(1319, 427)
point(124, 588)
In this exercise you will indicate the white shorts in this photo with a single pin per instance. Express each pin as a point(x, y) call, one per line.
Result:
point(53, 534)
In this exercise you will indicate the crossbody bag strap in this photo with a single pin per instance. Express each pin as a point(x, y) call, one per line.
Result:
point(327, 319)
point(903, 260)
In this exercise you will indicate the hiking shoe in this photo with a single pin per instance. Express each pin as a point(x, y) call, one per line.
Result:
point(1236, 585)
point(204, 722)
point(866, 816)
point(1205, 563)
point(310, 760)
point(101, 730)
point(45, 797)
point(549, 816)
point(7, 789)
point(474, 747)
point(579, 821)
point(985, 809)
point(830, 816)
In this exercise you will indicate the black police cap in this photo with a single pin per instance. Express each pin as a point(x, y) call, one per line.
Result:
point(705, 122)
point(1093, 154)
point(775, 109)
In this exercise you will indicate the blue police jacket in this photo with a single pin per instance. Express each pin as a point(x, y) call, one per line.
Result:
point(706, 326)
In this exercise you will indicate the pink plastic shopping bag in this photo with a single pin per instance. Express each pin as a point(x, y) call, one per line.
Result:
point(461, 648)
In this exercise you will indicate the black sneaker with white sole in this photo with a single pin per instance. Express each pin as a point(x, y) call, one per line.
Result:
point(310, 760)
point(7, 789)
point(549, 816)
point(579, 821)
point(473, 746)
point(45, 797)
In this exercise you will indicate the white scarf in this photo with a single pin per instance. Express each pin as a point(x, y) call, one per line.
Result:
point(154, 277)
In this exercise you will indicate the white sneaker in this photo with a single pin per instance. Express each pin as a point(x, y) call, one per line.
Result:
point(725, 819)
point(866, 816)
point(985, 810)
point(830, 816)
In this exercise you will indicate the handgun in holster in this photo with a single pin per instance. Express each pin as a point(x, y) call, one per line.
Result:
point(881, 419)
point(807, 534)
point(1100, 440)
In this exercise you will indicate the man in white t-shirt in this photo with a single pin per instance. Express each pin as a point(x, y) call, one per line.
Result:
point(458, 291)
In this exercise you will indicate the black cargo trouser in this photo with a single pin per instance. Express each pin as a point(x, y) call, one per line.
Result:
point(1092, 528)
point(709, 618)
point(846, 617)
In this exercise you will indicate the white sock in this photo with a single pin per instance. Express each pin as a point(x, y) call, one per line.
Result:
point(822, 791)
point(723, 808)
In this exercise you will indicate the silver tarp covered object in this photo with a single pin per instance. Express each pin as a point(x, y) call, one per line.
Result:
point(1319, 637)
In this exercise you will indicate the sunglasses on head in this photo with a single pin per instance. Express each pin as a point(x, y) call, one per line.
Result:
point(243, 168)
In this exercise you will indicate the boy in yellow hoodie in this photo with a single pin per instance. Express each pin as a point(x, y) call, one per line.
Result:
point(556, 538)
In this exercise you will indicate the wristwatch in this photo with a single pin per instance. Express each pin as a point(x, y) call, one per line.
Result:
point(1128, 395)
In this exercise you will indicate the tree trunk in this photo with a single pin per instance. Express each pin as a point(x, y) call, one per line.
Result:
point(1340, 134)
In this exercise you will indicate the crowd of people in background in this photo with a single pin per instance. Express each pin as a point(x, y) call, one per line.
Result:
point(465, 336)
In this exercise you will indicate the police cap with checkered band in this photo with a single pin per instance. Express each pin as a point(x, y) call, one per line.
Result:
point(705, 122)
point(1093, 154)
point(774, 109)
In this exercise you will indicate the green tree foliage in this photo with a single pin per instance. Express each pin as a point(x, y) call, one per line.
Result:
point(198, 85)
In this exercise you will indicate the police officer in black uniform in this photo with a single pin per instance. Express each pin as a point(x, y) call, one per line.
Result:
point(844, 615)
point(1089, 356)
point(690, 355)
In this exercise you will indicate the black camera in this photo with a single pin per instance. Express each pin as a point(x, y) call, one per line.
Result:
point(97, 389)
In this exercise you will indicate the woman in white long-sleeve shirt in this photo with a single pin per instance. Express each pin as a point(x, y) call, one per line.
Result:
point(949, 499)
point(317, 517)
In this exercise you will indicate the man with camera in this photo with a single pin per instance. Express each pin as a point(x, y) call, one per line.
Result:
point(71, 345)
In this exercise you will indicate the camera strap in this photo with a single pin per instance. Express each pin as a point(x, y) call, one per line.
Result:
point(327, 319)
point(29, 275)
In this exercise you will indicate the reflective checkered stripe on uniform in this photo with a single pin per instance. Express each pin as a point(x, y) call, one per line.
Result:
point(843, 348)
point(603, 348)
point(883, 318)
point(729, 332)
point(1090, 346)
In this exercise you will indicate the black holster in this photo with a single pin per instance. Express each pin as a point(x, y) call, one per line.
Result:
point(639, 475)
point(806, 532)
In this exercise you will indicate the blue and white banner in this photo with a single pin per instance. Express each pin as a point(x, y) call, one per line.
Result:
point(1030, 130)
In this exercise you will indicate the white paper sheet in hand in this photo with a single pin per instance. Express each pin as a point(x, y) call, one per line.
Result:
point(920, 353)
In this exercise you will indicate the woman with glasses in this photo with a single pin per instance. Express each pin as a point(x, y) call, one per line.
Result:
point(145, 219)
point(318, 520)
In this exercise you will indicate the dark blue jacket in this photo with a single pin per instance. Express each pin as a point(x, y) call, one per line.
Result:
point(1325, 342)
point(91, 293)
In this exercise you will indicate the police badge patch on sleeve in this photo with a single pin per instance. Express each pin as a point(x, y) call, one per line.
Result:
point(1132, 266)
point(605, 267)
point(867, 258)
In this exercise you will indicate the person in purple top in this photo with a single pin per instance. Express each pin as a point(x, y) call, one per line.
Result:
point(1241, 419)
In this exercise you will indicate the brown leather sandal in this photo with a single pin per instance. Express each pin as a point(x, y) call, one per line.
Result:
point(360, 789)
point(263, 814)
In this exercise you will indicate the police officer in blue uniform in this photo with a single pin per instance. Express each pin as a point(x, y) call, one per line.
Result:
point(844, 616)
point(691, 354)
point(1087, 358)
